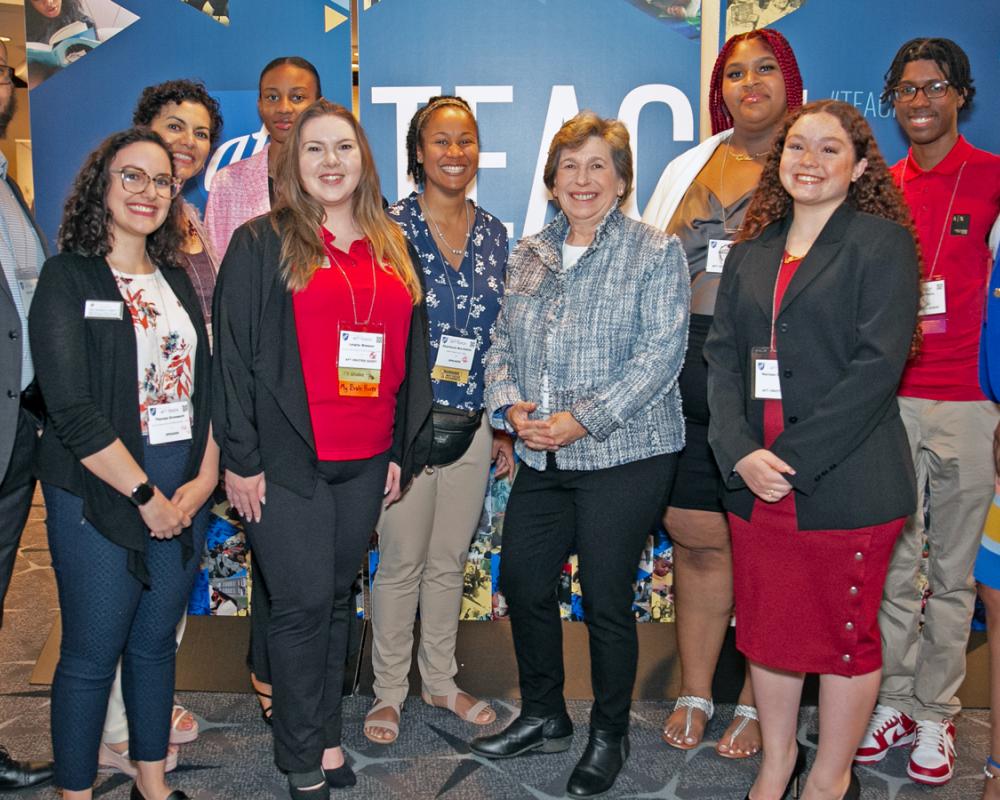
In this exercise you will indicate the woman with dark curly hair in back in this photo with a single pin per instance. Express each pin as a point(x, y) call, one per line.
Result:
point(814, 320)
point(127, 460)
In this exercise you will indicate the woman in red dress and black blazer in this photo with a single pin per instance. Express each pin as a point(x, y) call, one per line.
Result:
point(815, 317)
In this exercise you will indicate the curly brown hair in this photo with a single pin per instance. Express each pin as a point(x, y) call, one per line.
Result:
point(86, 222)
point(874, 192)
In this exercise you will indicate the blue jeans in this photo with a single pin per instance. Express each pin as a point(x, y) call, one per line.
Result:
point(107, 615)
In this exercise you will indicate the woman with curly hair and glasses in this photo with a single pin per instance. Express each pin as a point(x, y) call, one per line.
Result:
point(814, 321)
point(702, 197)
point(127, 460)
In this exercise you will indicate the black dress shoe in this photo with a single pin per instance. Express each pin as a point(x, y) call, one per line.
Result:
point(793, 789)
point(524, 734)
point(21, 774)
point(599, 765)
point(341, 777)
point(176, 794)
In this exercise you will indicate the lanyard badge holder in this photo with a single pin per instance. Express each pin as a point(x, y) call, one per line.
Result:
point(764, 381)
point(360, 345)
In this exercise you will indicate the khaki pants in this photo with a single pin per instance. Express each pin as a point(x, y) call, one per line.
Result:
point(423, 546)
point(951, 443)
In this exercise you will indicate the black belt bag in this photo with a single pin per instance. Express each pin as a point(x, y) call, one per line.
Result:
point(454, 430)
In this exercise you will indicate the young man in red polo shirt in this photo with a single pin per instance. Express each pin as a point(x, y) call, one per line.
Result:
point(953, 190)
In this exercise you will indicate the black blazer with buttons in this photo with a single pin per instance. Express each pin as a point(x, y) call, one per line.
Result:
point(261, 412)
point(843, 334)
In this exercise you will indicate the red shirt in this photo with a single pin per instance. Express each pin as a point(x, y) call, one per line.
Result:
point(947, 367)
point(346, 428)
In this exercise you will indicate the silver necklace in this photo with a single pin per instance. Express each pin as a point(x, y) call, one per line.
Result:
point(447, 245)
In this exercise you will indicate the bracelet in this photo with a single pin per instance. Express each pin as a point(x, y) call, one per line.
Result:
point(990, 775)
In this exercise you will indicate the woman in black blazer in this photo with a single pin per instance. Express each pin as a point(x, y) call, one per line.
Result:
point(127, 461)
point(815, 318)
point(323, 395)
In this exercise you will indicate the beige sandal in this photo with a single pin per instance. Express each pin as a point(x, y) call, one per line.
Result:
point(392, 726)
point(746, 714)
point(451, 702)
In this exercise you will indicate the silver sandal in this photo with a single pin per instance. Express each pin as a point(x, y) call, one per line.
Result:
point(692, 704)
point(746, 714)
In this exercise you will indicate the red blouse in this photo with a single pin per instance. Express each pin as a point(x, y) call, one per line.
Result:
point(350, 427)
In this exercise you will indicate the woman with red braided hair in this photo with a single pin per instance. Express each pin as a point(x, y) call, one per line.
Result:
point(702, 197)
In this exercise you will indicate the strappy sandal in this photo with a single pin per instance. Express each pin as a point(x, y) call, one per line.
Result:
point(692, 704)
point(180, 735)
point(266, 712)
point(746, 715)
point(392, 726)
point(451, 702)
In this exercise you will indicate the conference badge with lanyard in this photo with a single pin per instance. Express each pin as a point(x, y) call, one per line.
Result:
point(456, 354)
point(764, 381)
point(360, 344)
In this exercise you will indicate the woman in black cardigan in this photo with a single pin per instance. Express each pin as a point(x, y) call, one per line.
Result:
point(126, 460)
point(322, 399)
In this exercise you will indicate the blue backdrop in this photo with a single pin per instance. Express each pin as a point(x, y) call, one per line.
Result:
point(75, 109)
point(528, 65)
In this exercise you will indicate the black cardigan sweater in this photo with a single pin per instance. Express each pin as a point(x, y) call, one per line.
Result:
point(260, 410)
point(86, 369)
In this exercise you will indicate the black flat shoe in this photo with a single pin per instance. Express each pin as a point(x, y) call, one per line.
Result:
point(793, 788)
point(598, 767)
point(16, 774)
point(176, 794)
point(341, 777)
point(524, 734)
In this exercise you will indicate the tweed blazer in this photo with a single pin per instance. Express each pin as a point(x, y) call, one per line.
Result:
point(611, 333)
point(842, 333)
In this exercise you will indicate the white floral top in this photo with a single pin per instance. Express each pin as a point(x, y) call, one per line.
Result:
point(165, 340)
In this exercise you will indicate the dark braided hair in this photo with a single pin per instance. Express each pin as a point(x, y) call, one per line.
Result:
point(154, 98)
point(413, 167)
point(721, 118)
point(949, 57)
point(292, 61)
point(86, 222)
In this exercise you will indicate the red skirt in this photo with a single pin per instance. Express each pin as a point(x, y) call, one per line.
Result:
point(808, 601)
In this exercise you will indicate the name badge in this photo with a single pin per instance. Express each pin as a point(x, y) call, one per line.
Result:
point(27, 288)
point(359, 359)
point(454, 359)
point(168, 422)
point(932, 297)
point(103, 309)
point(715, 258)
point(764, 374)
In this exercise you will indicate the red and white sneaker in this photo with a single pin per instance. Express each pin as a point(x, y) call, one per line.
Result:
point(932, 760)
point(887, 728)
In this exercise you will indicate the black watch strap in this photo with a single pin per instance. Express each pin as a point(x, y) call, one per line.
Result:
point(142, 494)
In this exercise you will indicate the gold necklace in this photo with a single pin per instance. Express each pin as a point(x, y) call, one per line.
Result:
point(745, 156)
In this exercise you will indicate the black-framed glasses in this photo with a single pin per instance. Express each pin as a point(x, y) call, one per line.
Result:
point(907, 92)
point(135, 180)
point(6, 75)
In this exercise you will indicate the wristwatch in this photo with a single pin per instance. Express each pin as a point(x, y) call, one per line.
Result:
point(142, 494)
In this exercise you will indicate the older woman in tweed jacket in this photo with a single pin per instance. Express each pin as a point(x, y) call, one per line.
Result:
point(583, 369)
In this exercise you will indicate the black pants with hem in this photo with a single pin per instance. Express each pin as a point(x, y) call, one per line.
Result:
point(606, 515)
point(309, 551)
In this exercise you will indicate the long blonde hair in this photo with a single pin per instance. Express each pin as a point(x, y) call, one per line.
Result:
point(297, 216)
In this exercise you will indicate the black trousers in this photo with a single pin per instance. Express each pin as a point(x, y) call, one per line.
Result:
point(17, 486)
point(309, 551)
point(606, 516)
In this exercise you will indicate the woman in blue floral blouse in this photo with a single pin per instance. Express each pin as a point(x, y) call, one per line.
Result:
point(424, 538)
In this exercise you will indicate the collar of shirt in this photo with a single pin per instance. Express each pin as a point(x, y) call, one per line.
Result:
point(3, 167)
point(948, 165)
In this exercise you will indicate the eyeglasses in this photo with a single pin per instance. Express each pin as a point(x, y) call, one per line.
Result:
point(135, 181)
point(6, 75)
point(907, 92)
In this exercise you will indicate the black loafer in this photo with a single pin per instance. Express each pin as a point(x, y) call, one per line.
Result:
point(16, 774)
point(176, 794)
point(340, 778)
point(599, 765)
point(524, 734)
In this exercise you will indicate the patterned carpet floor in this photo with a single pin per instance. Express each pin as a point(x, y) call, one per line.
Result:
point(232, 758)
